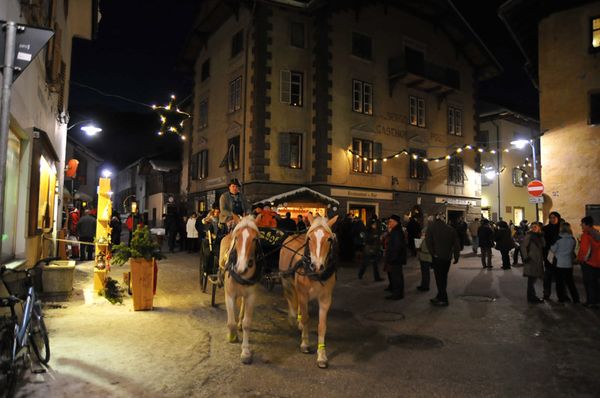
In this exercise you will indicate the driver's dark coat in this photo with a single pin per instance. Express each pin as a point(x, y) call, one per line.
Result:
point(395, 251)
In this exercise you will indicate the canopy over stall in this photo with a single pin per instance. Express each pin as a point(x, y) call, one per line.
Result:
point(302, 201)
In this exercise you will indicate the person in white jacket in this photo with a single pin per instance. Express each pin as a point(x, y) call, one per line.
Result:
point(192, 233)
point(564, 251)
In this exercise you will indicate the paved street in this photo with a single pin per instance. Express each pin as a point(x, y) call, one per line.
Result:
point(489, 342)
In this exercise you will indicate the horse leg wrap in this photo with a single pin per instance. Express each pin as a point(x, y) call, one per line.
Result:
point(321, 347)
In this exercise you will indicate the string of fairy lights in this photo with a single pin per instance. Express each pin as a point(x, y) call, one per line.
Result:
point(426, 159)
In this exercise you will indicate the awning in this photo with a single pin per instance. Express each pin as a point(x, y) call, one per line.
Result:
point(300, 194)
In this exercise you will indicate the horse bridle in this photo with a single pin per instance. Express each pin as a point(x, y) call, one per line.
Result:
point(305, 267)
point(232, 259)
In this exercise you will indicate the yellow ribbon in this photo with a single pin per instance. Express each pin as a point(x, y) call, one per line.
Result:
point(321, 346)
point(299, 317)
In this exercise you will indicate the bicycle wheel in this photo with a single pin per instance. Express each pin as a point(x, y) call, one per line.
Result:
point(38, 335)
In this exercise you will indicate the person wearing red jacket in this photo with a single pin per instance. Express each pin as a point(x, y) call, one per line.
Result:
point(266, 218)
point(589, 258)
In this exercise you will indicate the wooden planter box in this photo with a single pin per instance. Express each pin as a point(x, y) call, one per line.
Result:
point(142, 283)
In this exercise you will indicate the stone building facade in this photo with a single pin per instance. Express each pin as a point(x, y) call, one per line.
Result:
point(316, 94)
point(561, 43)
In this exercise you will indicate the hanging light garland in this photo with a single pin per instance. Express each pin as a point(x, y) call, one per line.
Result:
point(171, 118)
point(425, 159)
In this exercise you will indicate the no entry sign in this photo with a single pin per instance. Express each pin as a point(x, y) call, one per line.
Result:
point(535, 188)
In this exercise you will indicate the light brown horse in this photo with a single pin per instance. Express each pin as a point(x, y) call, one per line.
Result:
point(308, 269)
point(237, 261)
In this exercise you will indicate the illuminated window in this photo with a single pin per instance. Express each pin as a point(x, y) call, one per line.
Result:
point(417, 169)
point(362, 97)
point(595, 34)
point(518, 177)
point(363, 153)
point(47, 190)
point(290, 150)
point(416, 111)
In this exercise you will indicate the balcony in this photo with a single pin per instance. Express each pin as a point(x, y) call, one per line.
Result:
point(412, 70)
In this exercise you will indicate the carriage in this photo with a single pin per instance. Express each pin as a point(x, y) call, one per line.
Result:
point(271, 241)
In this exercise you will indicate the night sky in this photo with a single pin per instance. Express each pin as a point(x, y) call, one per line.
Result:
point(136, 53)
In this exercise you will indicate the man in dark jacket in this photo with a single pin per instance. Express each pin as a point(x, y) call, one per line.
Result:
point(551, 232)
point(395, 257)
point(485, 236)
point(86, 229)
point(371, 250)
point(504, 243)
point(413, 230)
point(442, 242)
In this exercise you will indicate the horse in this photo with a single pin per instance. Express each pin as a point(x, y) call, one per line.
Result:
point(308, 270)
point(241, 272)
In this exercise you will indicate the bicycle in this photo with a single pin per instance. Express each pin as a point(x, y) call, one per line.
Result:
point(17, 338)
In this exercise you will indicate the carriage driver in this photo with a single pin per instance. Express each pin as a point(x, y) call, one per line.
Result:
point(233, 202)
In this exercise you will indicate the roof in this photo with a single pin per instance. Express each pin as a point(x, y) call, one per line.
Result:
point(521, 18)
point(299, 193)
point(164, 165)
point(440, 13)
point(489, 111)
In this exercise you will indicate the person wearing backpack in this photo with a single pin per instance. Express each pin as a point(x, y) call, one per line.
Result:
point(589, 258)
point(563, 250)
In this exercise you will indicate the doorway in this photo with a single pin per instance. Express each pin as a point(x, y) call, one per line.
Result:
point(454, 215)
point(518, 215)
point(362, 211)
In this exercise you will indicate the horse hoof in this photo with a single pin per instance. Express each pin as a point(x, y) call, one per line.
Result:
point(232, 338)
point(305, 349)
point(323, 364)
point(246, 359)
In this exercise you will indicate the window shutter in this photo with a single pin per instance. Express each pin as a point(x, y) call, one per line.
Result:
point(284, 149)
point(285, 86)
point(377, 152)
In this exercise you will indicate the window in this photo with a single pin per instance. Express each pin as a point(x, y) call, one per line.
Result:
point(595, 39)
point(11, 197)
point(362, 97)
point(202, 161)
point(203, 114)
point(417, 111)
point(297, 34)
point(518, 177)
point(290, 150)
point(595, 108)
point(235, 95)
point(42, 184)
point(233, 154)
point(362, 161)
point(237, 43)
point(205, 71)
point(291, 89)
point(361, 46)
point(456, 173)
point(454, 121)
point(417, 168)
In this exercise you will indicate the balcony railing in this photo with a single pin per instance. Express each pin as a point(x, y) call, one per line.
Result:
point(417, 73)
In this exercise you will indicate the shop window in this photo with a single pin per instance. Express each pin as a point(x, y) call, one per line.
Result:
point(456, 172)
point(362, 97)
point(237, 43)
point(43, 184)
point(454, 121)
point(595, 108)
point(361, 46)
point(235, 95)
point(233, 154)
point(290, 150)
point(595, 34)
point(205, 71)
point(519, 178)
point(297, 34)
point(203, 114)
point(291, 89)
point(418, 169)
point(416, 111)
point(363, 156)
point(11, 197)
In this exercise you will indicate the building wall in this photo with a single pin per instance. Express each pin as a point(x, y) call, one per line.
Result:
point(36, 103)
point(499, 198)
point(326, 119)
point(568, 74)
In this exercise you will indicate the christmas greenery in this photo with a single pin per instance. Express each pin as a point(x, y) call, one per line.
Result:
point(141, 246)
point(112, 291)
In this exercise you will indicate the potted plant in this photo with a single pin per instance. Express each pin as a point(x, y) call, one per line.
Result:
point(142, 253)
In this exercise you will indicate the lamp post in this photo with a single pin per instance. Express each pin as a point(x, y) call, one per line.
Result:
point(89, 129)
point(520, 144)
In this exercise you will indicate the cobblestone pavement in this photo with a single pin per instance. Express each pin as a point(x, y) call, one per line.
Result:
point(488, 343)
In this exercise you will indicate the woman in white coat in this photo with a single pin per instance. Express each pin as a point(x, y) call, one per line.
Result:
point(192, 233)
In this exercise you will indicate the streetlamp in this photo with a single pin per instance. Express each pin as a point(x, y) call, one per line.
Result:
point(106, 173)
point(89, 129)
point(520, 144)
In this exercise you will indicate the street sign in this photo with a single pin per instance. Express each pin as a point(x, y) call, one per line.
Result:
point(535, 188)
point(29, 41)
point(536, 199)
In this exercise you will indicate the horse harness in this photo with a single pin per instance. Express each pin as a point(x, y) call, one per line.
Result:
point(230, 267)
point(304, 267)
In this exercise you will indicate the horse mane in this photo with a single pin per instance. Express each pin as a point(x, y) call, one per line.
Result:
point(246, 222)
point(319, 222)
